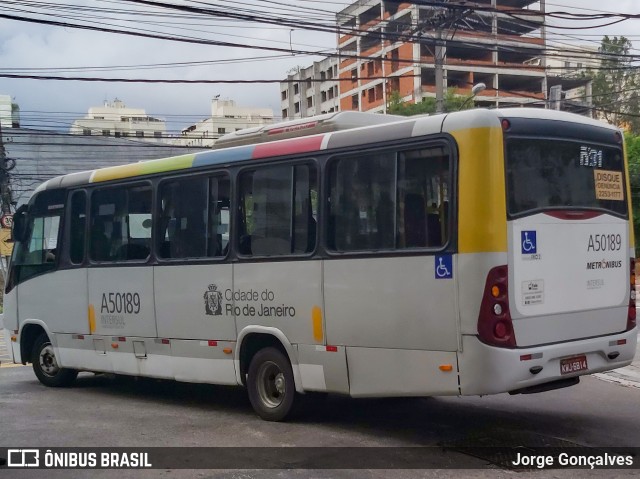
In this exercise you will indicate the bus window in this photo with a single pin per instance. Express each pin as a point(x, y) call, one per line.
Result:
point(36, 250)
point(120, 224)
point(277, 210)
point(219, 217)
point(387, 201)
point(77, 226)
point(543, 174)
point(193, 222)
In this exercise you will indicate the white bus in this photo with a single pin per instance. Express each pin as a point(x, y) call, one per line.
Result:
point(470, 253)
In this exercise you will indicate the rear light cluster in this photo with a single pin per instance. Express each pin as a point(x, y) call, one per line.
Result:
point(631, 317)
point(494, 322)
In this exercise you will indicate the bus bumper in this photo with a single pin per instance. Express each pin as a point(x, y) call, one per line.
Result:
point(487, 369)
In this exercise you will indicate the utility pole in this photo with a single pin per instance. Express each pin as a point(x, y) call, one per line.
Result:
point(439, 70)
point(5, 189)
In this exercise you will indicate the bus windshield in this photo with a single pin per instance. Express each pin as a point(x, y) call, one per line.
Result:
point(559, 174)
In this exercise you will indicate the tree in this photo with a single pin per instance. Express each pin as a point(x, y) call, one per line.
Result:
point(452, 102)
point(633, 156)
point(615, 85)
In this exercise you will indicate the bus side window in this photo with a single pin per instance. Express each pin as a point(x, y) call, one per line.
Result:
point(194, 218)
point(277, 211)
point(389, 200)
point(77, 226)
point(120, 223)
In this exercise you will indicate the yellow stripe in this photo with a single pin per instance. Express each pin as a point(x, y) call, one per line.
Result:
point(632, 235)
point(92, 319)
point(117, 172)
point(143, 168)
point(316, 319)
point(482, 216)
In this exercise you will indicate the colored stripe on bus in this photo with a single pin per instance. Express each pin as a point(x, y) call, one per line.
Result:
point(143, 168)
point(217, 157)
point(288, 147)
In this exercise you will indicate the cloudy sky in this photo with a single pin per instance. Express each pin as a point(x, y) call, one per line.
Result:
point(29, 48)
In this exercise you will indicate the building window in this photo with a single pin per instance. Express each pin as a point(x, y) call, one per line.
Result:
point(309, 102)
point(285, 113)
point(371, 95)
point(323, 76)
point(86, 131)
point(284, 94)
point(323, 96)
point(140, 134)
point(355, 103)
point(157, 134)
point(296, 107)
point(296, 89)
point(106, 132)
point(222, 130)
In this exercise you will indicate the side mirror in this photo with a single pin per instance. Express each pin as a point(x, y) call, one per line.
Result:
point(19, 228)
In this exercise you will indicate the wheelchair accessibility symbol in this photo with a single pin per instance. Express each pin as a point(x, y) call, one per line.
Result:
point(444, 266)
point(528, 242)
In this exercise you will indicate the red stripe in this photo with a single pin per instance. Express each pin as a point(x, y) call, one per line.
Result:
point(573, 215)
point(288, 147)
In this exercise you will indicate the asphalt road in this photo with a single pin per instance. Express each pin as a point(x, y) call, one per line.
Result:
point(102, 412)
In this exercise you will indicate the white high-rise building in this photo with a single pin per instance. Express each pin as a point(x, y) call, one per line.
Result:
point(9, 113)
point(226, 117)
point(116, 119)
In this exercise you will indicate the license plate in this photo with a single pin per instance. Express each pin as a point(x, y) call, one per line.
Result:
point(573, 365)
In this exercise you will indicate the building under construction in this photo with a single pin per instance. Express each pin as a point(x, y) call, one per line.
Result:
point(418, 49)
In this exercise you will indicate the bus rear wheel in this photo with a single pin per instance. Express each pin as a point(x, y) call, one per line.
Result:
point(270, 384)
point(46, 367)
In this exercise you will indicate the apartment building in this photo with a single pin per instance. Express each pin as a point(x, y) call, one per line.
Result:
point(310, 91)
point(390, 47)
point(226, 117)
point(9, 113)
point(116, 119)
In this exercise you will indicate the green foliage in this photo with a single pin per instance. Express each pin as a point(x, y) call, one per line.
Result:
point(615, 85)
point(452, 102)
point(633, 155)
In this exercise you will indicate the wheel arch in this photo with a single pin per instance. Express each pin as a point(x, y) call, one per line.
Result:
point(30, 330)
point(254, 338)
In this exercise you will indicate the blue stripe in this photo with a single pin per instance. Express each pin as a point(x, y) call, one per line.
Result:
point(216, 157)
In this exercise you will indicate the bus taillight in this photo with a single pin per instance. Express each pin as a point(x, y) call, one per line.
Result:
point(494, 322)
point(631, 317)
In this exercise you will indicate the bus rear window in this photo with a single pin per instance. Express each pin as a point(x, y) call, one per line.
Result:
point(560, 174)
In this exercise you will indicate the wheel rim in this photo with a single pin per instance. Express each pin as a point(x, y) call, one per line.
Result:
point(272, 385)
point(47, 361)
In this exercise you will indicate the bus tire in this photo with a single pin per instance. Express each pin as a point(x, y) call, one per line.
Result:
point(46, 367)
point(271, 385)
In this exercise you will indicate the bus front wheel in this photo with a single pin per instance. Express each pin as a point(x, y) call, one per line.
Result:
point(46, 367)
point(270, 384)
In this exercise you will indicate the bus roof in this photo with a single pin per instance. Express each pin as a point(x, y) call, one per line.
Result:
point(330, 131)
